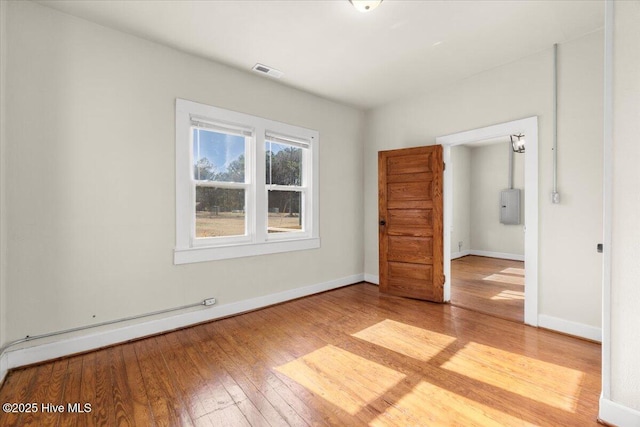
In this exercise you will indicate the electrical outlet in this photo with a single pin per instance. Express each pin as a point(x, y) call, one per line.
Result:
point(209, 301)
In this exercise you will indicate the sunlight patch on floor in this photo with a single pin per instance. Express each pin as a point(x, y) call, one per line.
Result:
point(513, 270)
point(408, 340)
point(508, 295)
point(544, 382)
point(504, 278)
point(346, 380)
point(430, 405)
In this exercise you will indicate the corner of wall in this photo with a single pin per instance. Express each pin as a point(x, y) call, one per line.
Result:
point(3, 216)
point(364, 119)
point(372, 278)
point(4, 362)
point(607, 201)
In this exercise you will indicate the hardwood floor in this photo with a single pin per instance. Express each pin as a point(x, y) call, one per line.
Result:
point(346, 357)
point(489, 285)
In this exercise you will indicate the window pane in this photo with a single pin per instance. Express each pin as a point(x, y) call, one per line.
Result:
point(218, 156)
point(284, 164)
point(219, 212)
point(284, 211)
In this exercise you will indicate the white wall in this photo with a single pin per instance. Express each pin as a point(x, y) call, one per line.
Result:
point(461, 231)
point(489, 176)
point(625, 252)
point(572, 229)
point(3, 215)
point(90, 176)
point(570, 268)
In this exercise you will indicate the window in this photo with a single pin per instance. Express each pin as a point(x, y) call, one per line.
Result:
point(244, 185)
point(285, 166)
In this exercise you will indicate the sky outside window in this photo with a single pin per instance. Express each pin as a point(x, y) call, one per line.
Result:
point(218, 156)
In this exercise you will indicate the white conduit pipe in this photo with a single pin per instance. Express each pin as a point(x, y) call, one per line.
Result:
point(555, 196)
point(510, 148)
point(96, 325)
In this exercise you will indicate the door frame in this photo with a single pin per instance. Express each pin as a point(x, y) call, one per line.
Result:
point(528, 127)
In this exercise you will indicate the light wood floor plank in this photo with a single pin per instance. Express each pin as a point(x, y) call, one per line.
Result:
point(259, 374)
point(55, 388)
point(141, 413)
point(104, 412)
point(166, 403)
point(16, 389)
point(38, 394)
point(88, 387)
point(236, 371)
point(71, 392)
point(213, 392)
point(489, 285)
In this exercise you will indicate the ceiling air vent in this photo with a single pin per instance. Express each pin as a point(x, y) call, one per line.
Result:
point(266, 70)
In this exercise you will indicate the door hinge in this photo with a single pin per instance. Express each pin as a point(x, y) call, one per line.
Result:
point(444, 166)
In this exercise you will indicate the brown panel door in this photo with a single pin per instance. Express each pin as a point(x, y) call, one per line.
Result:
point(410, 222)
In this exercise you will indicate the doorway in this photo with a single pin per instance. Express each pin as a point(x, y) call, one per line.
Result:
point(487, 237)
point(529, 128)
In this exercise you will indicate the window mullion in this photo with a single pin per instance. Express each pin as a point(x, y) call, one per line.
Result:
point(260, 192)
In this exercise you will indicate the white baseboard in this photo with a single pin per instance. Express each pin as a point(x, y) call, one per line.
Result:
point(4, 366)
point(67, 346)
point(569, 327)
point(617, 414)
point(460, 254)
point(502, 255)
point(372, 278)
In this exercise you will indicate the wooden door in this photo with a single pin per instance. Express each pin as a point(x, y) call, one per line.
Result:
point(410, 222)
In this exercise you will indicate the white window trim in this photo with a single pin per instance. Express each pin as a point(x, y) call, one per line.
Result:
point(259, 242)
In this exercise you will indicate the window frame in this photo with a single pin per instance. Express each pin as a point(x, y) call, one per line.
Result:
point(246, 186)
point(257, 241)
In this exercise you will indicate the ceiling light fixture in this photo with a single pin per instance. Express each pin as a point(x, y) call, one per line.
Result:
point(518, 144)
point(365, 5)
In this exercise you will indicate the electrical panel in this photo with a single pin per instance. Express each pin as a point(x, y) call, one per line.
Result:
point(510, 206)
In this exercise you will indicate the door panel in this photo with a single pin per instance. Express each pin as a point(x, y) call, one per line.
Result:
point(410, 214)
point(409, 177)
point(418, 250)
point(410, 280)
point(410, 222)
point(411, 163)
point(409, 191)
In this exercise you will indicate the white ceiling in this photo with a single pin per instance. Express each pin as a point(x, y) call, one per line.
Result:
point(364, 59)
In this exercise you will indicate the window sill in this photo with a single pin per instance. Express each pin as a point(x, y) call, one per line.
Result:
point(211, 253)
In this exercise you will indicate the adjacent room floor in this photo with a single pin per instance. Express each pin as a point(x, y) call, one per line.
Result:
point(489, 285)
point(347, 357)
